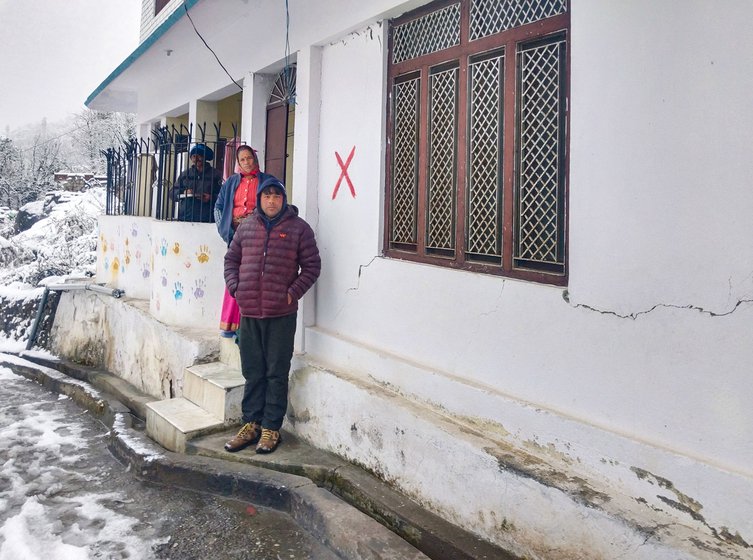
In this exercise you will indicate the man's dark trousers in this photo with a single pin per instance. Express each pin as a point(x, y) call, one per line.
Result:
point(266, 348)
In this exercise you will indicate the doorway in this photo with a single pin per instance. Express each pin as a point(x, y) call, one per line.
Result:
point(278, 159)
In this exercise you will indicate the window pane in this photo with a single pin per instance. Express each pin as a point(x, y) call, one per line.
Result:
point(492, 16)
point(427, 34)
point(440, 223)
point(484, 208)
point(405, 162)
point(540, 209)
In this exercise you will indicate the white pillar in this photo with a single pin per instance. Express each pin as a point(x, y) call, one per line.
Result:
point(256, 89)
point(306, 163)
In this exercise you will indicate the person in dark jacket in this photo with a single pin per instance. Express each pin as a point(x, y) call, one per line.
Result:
point(197, 188)
point(271, 262)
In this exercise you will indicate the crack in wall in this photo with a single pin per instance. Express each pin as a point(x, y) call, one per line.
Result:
point(358, 283)
point(360, 270)
point(495, 307)
point(634, 316)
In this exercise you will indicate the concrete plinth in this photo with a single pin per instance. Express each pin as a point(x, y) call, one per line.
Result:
point(217, 388)
point(174, 421)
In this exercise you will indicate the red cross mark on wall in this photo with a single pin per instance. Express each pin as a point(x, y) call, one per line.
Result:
point(344, 173)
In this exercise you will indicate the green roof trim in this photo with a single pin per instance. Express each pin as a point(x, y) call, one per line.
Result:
point(171, 20)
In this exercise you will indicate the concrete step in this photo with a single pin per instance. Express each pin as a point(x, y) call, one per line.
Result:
point(217, 388)
point(173, 422)
point(229, 353)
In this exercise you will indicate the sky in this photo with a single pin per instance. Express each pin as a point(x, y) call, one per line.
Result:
point(56, 52)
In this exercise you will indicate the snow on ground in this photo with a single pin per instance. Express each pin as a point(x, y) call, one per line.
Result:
point(64, 242)
point(11, 346)
point(57, 499)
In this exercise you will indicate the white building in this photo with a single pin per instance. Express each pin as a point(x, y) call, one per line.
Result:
point(534, 313)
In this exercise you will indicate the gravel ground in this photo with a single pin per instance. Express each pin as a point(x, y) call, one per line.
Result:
point(210, 527)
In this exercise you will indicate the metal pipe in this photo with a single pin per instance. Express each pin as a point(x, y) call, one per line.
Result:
point(37, 319)
point(114, 292)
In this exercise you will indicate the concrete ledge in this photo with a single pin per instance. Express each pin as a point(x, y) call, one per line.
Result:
point(134, 399)
point(323, 514)
point(432, 535)
point(100, 331)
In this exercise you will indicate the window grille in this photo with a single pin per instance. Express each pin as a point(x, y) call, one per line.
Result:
point(431, 33)
point(477, 137)
point(405, 162)
point(540, 155)
point(492, 16)
point(442, 163)
point(484, 212)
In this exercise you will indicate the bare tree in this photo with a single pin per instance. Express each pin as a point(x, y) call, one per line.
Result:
point(41, 161)
point(10, 172)
point(96, 131)
point(29, 161)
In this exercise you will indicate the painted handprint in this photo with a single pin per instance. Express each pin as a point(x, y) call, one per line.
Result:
point(178, 291)
point(203, 254)
point(198, 290)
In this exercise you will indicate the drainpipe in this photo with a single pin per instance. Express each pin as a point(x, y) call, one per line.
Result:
point(114, 292)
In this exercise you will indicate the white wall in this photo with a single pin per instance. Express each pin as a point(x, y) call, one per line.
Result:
point(659, 185)
point(150, 22)
point(124, 254)
point(660, 155)
point(643, 361)
point(176, 266)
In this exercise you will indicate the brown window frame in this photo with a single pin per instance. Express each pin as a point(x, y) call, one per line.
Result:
point(403, 73)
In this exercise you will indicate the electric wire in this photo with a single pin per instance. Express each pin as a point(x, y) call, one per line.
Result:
point(185, 7)
point(288, 71)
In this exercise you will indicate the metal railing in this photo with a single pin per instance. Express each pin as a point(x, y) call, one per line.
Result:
point(156, 176)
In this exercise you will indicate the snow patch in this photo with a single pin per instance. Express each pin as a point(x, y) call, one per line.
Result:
point(47, 508)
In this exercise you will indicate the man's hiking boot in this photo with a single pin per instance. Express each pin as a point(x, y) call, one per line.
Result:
point(247, 435)
point(269, 441)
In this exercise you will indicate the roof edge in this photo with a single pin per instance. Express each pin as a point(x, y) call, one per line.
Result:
point(171, 20)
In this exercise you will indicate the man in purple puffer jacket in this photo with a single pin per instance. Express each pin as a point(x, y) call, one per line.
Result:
point(271, 262)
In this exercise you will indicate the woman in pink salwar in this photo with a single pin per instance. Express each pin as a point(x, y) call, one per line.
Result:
point(237, 199)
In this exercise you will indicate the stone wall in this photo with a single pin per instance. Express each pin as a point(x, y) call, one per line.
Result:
point(17, 315)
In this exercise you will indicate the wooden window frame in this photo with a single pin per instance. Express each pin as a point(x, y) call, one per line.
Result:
point(508, 41)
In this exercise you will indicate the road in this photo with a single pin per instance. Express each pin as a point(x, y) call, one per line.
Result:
point(63, 496)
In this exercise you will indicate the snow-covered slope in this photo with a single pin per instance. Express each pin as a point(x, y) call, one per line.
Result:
point(62, 242)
